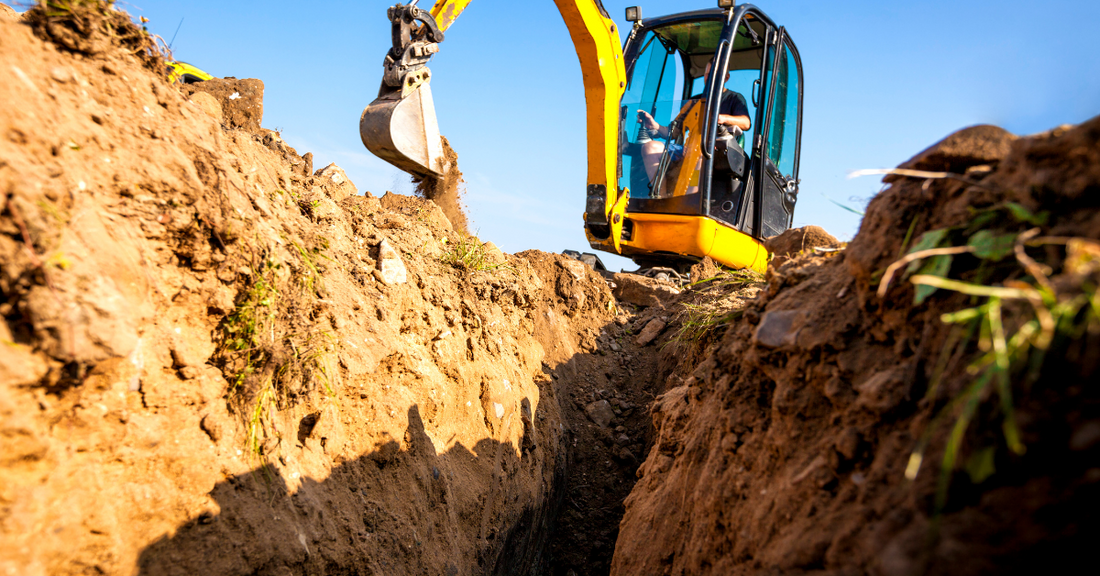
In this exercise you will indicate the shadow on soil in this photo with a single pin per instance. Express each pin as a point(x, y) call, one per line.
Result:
point(386, 512)
point(552, 506)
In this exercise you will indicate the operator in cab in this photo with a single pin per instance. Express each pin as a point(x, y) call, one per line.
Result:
point(733, 118)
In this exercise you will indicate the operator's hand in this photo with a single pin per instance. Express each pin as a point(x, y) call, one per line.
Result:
point(650, 124)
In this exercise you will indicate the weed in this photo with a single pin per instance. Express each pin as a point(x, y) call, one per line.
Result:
point(95, 27)
point(1014, 329)
point(254, 316)
point(272, 366)
point(719, 302)
point(256, 419)
point(468, 253)
point(310, 280)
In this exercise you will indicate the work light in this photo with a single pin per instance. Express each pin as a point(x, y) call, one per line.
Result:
point(634, 14)
point(726, 3)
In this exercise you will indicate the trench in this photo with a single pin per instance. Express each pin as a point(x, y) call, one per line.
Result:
point(573, 532)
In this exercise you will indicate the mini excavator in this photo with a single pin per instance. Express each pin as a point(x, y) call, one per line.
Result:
point(668, 197)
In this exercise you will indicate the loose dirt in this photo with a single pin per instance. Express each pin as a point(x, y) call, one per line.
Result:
point(215, 358)
point(447, 191)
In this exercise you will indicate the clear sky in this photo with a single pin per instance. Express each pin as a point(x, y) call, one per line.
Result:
point(883, 80)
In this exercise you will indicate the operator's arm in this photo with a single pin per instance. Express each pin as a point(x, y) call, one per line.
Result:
point(652, 124)
point(741, 121)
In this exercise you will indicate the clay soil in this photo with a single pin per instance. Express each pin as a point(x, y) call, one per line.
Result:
point(217, 359)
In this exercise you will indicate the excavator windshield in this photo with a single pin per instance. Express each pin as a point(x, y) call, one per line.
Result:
point(661, 109)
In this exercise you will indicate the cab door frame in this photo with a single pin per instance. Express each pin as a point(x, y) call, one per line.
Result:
point(766, 174)
point(751, 212)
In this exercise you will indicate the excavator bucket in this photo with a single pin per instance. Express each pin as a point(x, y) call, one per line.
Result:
point(404, 132)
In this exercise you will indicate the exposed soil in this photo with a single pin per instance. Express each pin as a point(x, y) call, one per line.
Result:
point(786, 449)
point(215, 359)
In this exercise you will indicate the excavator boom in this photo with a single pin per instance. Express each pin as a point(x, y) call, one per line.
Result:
point(400, 125)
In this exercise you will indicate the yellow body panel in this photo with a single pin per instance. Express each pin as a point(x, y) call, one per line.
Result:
point(689, 167)
point(697, 236)
point(177, 69)
point(445, 12)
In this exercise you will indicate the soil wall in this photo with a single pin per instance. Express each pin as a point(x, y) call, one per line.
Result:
point(215, 359)
point(791, 447)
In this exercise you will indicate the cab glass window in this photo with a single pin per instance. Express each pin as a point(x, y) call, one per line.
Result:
point(783, 132)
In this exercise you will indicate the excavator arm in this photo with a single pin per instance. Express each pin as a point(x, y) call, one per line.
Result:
point(400, 126)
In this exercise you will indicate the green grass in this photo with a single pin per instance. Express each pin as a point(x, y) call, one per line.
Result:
point(1013, 326)
point(244, 330)
point(717, 304)
point(468, 253)
point(270, 343)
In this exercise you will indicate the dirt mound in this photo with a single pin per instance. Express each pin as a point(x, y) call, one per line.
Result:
point(215, 360)
point(95, 28)
point(447, 191)
point(798, 240)
point(928, 431)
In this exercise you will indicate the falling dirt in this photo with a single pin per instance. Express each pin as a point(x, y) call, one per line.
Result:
point(447, 191)
point(216, 359)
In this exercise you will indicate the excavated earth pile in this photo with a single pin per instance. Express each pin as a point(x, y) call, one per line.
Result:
point(834, 430)
point(216, 360)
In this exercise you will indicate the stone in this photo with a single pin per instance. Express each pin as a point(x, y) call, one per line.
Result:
point(335, 182)
point(217, 426)
point(600, 413)
point(493, 254)
point(651, 331)
point(778, 328)
point(85, 322)
point(884, 390)
point(574, 267)
point(19, 365)
point(390, 266)
point(847, 444)
point(623, 455)
point(1085, 437)
point(642, 291)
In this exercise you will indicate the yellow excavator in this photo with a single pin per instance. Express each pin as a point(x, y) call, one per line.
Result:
point(671, 178)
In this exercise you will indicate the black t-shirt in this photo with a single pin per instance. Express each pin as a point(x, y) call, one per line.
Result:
point(733, 104)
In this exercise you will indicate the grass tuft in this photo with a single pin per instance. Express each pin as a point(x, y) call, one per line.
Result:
point(1013, 327)
point(719, 300)
point(468, 253)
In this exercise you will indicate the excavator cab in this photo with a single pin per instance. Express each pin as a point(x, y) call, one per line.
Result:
point(708, 190)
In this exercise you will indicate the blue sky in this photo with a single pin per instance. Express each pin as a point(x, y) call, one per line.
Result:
point(883, 80)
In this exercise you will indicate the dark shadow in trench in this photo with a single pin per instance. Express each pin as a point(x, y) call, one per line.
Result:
point(390, 511)
point(484, 510)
